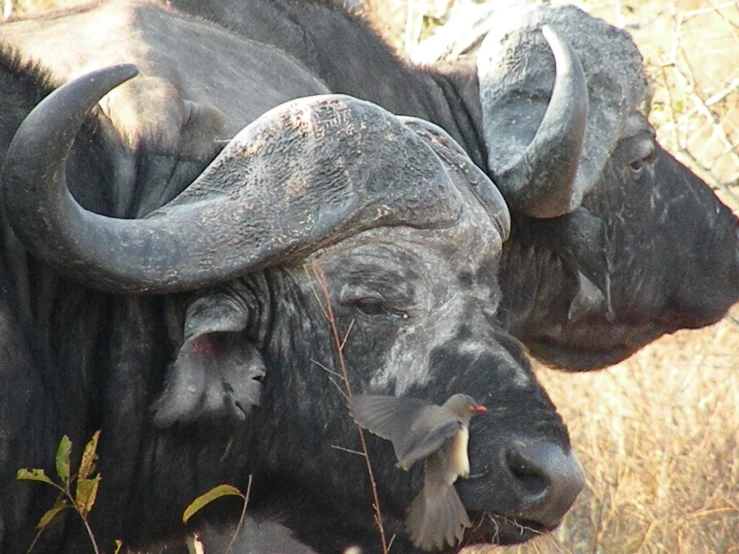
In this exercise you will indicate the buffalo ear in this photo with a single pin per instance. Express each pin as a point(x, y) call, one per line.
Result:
point(218, 371)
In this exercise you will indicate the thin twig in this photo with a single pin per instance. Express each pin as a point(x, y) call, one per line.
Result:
point(334, 383)
point(237, 531)
point(349, 450)
point(315, 292)
point(346, 335)
point(339, 344)
point(91, 535)
point(732, 319)
point(326, 369)
point(700, 105)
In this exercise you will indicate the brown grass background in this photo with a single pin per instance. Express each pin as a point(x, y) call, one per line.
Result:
point(658, 435)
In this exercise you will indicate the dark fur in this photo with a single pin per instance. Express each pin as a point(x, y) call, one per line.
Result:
point(78, 361)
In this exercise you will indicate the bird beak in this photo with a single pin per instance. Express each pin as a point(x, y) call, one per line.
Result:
point(478, 409)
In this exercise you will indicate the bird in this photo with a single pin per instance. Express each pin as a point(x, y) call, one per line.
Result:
point(420, 430)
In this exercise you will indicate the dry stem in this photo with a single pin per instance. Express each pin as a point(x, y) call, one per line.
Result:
point(339, 343)
point(237, 531)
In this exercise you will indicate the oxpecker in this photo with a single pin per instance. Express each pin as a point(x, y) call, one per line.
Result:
point(437, 434)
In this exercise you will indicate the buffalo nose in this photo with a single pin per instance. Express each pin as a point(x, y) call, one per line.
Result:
point(549, 480)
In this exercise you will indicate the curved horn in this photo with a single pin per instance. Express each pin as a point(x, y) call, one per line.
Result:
point(540, 182)
point(307, 173)
point(45, 216)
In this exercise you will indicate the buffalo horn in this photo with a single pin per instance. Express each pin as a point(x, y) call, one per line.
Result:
point(306, 174)
point(541, 181)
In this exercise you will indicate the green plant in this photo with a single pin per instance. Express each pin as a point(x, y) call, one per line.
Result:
point(213, 494)
point(77, 492)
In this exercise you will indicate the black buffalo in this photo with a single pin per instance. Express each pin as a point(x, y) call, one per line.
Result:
point(197, 338)
point(580, 286)
point(644, 247)
point(406, 232)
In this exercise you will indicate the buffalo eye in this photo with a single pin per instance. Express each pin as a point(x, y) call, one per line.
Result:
point(370, 306)
point(637, 166)
point(375, 307)
point(643, 158)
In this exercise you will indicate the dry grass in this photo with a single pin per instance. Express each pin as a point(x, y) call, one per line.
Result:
point(657, 434)
point(23, 7)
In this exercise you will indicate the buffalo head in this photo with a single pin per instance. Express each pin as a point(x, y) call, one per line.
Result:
point(322, 201)
point(643, 247)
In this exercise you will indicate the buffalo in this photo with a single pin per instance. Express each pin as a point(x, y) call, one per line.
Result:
point(172, 301)
point(621, 243)
point(208, 312)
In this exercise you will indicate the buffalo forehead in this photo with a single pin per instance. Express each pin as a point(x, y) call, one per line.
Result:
point(429, 350)
point(436, 261)
point(472, 243)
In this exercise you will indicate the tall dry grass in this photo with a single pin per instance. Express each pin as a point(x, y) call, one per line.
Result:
point(658, 435)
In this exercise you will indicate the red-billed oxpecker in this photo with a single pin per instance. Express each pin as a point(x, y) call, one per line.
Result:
point(437, 434)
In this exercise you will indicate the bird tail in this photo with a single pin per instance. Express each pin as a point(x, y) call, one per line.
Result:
point(436, 518)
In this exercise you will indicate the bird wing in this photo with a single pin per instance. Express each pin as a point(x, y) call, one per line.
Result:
point(389, 417)
point(427, 440)
point(436, 517)
point(415, 427)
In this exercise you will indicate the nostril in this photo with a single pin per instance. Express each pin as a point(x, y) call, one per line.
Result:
point(528, 474)
point(548, 478)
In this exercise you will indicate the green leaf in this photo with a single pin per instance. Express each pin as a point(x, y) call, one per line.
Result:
point(33, 475)
point(87, 491)
point(118, 546)
point(205, 499)
point(49, 515)
point(89, 457)
point(62, 459)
